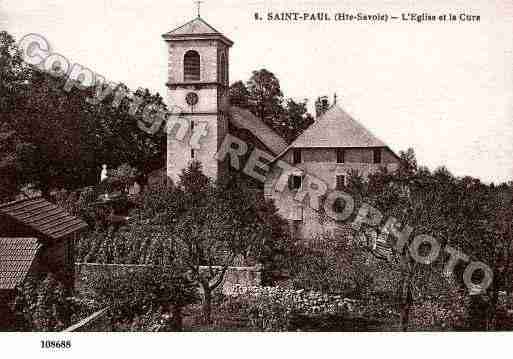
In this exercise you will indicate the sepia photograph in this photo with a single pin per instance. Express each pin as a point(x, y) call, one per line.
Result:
point(252, 167)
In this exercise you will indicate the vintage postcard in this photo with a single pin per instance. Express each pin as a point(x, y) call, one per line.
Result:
point(254, 166)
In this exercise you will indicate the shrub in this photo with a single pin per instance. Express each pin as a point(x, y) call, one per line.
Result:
point(145, 299)
point(332, 266)
point(41, 305)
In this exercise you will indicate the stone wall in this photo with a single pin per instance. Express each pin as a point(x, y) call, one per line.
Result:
point(235, 276)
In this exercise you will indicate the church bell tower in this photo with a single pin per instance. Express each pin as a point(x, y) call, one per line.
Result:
point(197, 89)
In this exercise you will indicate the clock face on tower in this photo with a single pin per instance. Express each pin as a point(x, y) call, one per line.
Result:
point(191, 98)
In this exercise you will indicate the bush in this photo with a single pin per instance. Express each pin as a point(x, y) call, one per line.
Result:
point(333, 266)
point(41, 305)
point(145, 299)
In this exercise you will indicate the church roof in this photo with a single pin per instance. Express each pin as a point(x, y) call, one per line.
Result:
point(244, 119)
point(196, 29)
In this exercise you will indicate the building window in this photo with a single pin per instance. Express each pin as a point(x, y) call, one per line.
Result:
point(191, 66)
point(296, 156)
point(377, 155)
point(339, 205)
point(295, 182)
point(192, 153)
point(340, 182)
point(340, 155)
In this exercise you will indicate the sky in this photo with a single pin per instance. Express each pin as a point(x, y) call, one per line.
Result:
point(443, 88)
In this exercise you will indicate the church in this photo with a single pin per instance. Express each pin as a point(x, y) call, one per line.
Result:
point(334, 145)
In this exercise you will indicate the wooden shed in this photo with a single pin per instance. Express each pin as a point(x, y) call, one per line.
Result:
point(37, 237)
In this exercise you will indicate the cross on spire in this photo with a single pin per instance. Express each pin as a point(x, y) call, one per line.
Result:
point(198, 5)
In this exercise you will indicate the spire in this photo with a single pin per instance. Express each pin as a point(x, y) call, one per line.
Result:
point(198, 5)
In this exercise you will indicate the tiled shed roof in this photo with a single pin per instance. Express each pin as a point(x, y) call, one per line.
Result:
point(16, 257)
point(43, 217)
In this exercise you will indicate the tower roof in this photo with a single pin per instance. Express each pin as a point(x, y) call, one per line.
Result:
point(196, 29)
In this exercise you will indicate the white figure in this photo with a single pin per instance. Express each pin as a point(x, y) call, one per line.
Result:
point(103, 174)
point(135, 189)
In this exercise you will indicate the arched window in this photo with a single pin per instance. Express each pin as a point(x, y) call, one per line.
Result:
point(223, 74)
point(191, 66)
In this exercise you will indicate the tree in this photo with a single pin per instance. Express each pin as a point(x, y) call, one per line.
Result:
point(62, 138)
point(7, 163)
point(14, 75)
point(13, 78)
point(438, 205)
point(265, 96)
point(262, 95)
point(135, 296)
point(239, 95)
point(218, 223)
point(295, 120)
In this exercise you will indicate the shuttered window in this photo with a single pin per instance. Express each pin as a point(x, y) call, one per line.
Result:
point(294, 182)
point(340, 182)
point(296, 156)
point(377, 155)
point(340, 155)
point(191, 66)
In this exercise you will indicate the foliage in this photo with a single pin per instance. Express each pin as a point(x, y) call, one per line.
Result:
point(135, 244)
point(8, 143)
point(124, 173)
point(460, 212)
point(63, 137)
point(142, 299)
point(262, 95)
point(332, 265)
point(41, 305)
point(212, 223)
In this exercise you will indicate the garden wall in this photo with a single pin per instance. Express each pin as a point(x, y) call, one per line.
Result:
point(235, 276)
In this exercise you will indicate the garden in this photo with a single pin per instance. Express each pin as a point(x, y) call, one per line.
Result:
point(162, 268)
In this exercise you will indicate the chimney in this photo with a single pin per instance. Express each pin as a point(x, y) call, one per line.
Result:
point(321, 106)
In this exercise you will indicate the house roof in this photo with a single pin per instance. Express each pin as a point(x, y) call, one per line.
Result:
point(196, 28)
point(16, 257)
point(43, 217)
point(242, 118)
point(335, 128)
